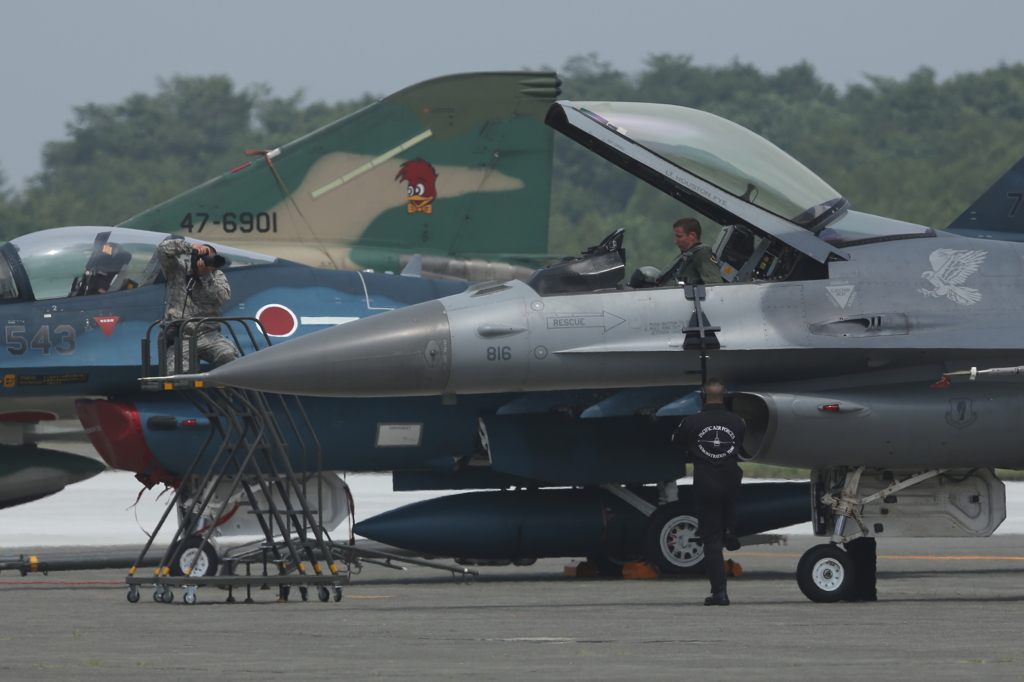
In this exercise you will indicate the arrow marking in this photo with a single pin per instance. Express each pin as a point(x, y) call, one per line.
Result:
point(603, 320)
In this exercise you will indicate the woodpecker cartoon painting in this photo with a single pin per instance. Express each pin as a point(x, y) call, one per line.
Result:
point(422, 190)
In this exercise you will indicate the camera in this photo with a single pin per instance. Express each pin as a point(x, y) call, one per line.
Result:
point(213, 261)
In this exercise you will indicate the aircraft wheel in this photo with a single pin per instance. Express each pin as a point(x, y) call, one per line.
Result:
point(323, 593)
point(133, 594)
point(671, 542)
point(205, 566)
point(825, 574)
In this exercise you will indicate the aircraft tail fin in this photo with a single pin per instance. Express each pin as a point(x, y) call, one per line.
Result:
point(454, 167)
point(998, 213)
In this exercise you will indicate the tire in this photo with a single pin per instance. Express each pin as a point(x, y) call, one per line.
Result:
point(825, 574)
point(671, 543)
point(207, 564)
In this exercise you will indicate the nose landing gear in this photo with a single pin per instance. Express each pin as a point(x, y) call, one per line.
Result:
point(825, 574)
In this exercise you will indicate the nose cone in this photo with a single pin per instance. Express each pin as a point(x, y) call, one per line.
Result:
point(402, 352)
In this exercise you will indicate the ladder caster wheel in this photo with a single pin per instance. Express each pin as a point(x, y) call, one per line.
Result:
point(158, 594)
point(323, 593)
point(337, 593)
point(304, 592)
point(133, 594)
point(189, 598)
point(168, 595)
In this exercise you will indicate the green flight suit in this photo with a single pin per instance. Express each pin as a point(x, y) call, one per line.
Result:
point(698, 265)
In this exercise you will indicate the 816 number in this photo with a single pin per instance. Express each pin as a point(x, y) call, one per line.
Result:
point(499, 353)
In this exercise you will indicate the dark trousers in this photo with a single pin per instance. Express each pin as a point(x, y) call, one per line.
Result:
point(714, 494)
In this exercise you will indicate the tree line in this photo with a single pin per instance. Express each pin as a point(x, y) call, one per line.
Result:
point(917, 149)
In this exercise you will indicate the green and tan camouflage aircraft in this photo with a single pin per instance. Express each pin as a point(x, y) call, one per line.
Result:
point(456, 169)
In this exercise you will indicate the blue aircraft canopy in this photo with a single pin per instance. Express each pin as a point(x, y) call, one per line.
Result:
point(723, 153)
point(74, 261)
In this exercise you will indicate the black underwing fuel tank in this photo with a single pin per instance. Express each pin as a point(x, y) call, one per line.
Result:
point(559, 522)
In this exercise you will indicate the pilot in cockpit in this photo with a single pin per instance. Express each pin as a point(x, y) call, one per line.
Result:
point(105, 271)
point(695, 264)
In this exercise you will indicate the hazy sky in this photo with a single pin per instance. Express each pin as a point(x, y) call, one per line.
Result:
point(63, 54)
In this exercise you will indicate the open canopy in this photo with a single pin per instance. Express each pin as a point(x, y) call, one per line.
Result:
point(714, 165)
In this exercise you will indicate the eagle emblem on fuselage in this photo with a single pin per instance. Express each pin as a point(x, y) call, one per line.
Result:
point(950, 269)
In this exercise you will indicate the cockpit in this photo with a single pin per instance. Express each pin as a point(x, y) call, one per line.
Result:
point(87, 261)
point(778, 220)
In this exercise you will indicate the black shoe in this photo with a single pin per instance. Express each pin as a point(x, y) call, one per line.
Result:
point(717, 599)
point(730, 541)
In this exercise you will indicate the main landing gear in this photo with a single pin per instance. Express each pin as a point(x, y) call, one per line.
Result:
point(670, 539)
point(671, 542)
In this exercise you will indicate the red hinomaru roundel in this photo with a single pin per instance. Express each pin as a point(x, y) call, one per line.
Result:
point(277, 319)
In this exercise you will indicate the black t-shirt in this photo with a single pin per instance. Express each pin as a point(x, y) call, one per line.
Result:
point(712, 436)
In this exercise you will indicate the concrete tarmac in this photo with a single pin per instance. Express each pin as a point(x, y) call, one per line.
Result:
point(947, 609)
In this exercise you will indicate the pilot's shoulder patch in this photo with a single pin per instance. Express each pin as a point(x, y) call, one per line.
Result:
point(713, 259)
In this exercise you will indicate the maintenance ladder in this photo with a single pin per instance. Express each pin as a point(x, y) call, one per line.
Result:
point(248, 449)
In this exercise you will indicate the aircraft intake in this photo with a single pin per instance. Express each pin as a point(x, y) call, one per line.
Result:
point(901, 426)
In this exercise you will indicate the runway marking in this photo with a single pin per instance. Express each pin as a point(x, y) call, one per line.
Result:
point(52, 582)
point(954, 558)
point(898, 556)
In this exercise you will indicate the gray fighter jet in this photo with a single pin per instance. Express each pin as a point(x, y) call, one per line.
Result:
point(834, 327)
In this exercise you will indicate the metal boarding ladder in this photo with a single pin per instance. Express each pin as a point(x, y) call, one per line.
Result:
point(248, 450)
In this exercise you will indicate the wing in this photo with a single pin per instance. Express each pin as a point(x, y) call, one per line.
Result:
point(960, 266)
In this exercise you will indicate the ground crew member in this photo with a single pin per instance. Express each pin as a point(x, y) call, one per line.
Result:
point(696, 264)
point(195, 288)
point(713, 439)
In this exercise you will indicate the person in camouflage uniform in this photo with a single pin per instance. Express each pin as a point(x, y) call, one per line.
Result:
point(194, 294)
point(696, 264)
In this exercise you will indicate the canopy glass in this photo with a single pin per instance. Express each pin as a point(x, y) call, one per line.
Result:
point(722, 153)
